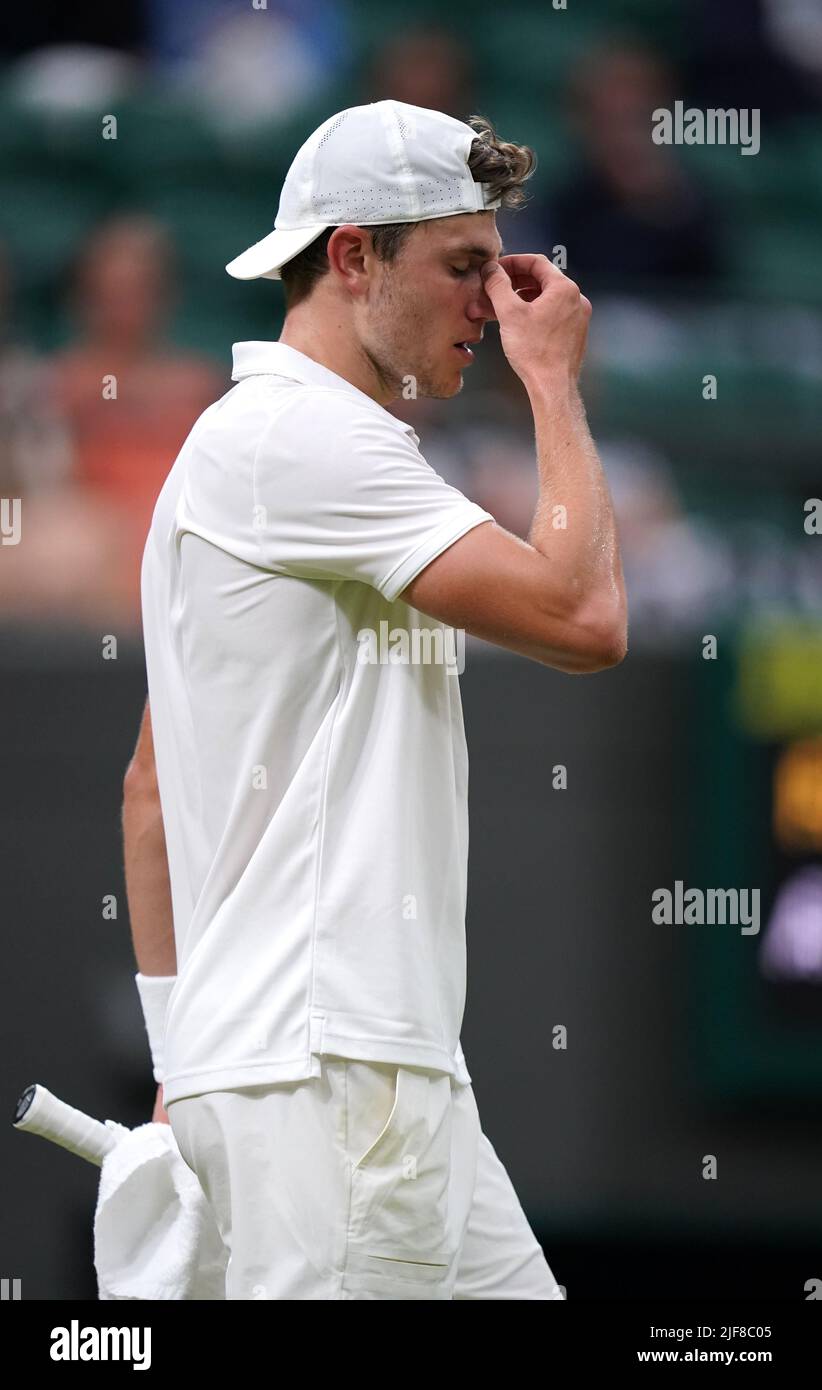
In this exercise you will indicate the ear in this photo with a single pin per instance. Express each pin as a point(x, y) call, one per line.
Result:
point(349, 254)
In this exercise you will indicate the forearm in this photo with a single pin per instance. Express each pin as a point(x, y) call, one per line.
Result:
point(581, 540)
point(148, 888)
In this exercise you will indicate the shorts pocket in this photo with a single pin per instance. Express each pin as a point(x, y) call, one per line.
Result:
point(380, 1090)
point(398, 1215)
point(380, 1277)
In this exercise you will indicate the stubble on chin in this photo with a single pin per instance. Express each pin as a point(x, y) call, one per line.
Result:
point(441, 388)
point(404, 374)
point(435, 384)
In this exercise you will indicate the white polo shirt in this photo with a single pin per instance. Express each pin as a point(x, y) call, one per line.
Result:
point(314, 801)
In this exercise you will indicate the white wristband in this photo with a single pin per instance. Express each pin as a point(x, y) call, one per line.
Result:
point(154, 991)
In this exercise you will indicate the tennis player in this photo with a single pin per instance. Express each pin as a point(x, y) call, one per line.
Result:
point(296, 833)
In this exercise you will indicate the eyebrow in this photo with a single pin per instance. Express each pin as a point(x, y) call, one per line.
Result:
point(481, 252)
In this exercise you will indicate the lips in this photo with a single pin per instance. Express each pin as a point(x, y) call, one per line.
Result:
point(463, 348)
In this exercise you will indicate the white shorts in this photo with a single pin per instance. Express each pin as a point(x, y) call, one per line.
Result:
point(372, 1180)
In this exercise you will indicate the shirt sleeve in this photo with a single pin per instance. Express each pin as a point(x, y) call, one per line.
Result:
point(340, 493)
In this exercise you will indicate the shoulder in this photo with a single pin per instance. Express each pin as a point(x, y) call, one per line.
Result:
point(334, 420)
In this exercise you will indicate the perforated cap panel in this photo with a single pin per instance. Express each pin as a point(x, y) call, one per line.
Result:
point(385, 162)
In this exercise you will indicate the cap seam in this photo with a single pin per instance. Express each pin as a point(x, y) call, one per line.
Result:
point(391, 126)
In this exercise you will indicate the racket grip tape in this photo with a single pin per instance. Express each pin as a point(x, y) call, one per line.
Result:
point(39, 1112)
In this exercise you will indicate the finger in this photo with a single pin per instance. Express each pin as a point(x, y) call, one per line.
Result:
point(526, 288)
point(532, 265)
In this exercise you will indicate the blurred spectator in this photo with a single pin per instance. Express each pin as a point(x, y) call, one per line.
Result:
point(425, 67)
point(247, 64)
point(630, 213)
point(66, 563)
point(34, 447)
point(128, 398)
point(73, 77)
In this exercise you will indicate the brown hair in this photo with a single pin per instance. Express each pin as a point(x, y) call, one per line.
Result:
point(499, 163)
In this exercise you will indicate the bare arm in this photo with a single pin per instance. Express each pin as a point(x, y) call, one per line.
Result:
point(558, 598)
point(148, 888)
point(146, 867)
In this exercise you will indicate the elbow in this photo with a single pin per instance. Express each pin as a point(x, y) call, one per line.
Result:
point(603, 645)
point(614, 649)
point(604, 659)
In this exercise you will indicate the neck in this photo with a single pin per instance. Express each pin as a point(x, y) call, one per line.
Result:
point(327, 339)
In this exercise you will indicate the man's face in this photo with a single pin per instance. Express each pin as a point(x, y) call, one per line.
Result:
point(428, 300)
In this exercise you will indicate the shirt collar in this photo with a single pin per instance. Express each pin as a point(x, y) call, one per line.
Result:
point(278, 359)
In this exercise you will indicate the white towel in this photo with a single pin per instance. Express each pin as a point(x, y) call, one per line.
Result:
point(155, 1236)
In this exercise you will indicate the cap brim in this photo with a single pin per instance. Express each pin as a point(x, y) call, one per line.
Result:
point(264, 259)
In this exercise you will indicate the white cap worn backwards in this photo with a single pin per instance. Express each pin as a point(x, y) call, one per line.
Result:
point(385, 162)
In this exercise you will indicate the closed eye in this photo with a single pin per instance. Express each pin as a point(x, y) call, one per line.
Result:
point(456, 270)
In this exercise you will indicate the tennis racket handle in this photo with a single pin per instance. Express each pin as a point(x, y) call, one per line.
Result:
point(39, 1112)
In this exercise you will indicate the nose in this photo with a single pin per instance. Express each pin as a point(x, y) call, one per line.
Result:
point(480, 306)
